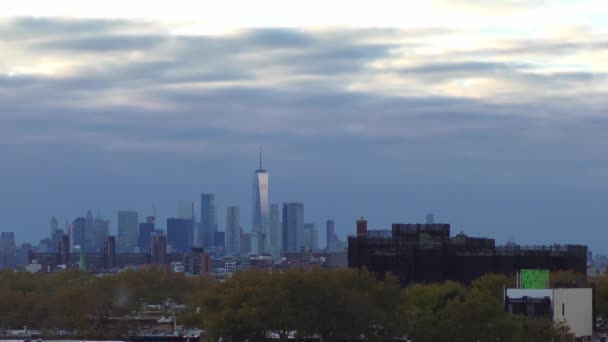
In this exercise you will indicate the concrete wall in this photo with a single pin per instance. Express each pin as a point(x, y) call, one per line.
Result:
point(575, 306)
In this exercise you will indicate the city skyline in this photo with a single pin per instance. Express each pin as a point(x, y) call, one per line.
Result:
point(491, 116)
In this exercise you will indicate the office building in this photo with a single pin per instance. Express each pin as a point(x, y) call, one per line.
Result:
point(64, 250)
point(109, 253)
point(260, 237)
point(233, 231)
point(246, 244)
point(158, 248)
point(127, 231)
point(77, 233)
point(96, 233)
point(7, 244)
point(293, 227)
point(274, 231)
point(329, 235)
point(178, 234)
point(54, 225)
point(311, 237)
point(425, 253)
point(219, 239)
point(143, 236)
point(208, 224)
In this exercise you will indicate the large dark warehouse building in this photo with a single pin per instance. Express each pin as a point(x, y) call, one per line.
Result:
point(425, 253)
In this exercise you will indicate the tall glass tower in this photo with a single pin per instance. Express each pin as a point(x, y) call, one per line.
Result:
point(260, 237)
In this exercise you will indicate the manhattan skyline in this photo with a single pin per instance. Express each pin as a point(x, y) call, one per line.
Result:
point(490, 116)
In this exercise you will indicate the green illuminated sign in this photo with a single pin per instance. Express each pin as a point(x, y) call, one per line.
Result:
point(534, 279)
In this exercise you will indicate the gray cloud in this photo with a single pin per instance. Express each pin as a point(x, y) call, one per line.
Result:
point(187, 115)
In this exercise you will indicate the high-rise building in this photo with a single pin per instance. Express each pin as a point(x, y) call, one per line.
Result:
point(185, 210)
point(54, 225)
point(77, 234)
point(64, 250)
point(275, 232)
point(158, 248)
point(109, 253)
point(178, 234)
point(430, 218)
point(260, 236)
point(7, 244)
point(143, 237)
point(293, 226)
point(127, 231)
point(233, 231)
point(329, 235)
point(246, 244)
point(208, 224)
point(96, 234)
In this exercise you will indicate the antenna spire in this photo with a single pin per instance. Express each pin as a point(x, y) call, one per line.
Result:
point(260, 157)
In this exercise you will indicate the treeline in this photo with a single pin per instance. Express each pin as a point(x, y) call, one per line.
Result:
point(331, 305)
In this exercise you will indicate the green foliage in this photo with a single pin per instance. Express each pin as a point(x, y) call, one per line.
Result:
point(333, 305)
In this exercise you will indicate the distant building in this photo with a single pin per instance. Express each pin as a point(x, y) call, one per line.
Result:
point(329, 235)
point(275, 231)
point(64, 250)
point(197, 262)
point(425, 253)
point(127, 231)
point(260, 236)
point(311, 237)
point(208, 225)
point(143, 237)
point(233, 231)
point(246, 245)
point(158, 248)
point(178, 234)
point(7, 244)
point(96, 233)
point(77, 234)
point(54, 225)
point(109, 253)
point(219, 239)
point(293, 226)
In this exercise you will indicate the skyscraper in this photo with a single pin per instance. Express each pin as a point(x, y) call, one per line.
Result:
point(96, 234)
point(185, 210)
point(7, 244)
point(208, 224)
point(233, 231)
point(311, 237)
point(178, 231)
point(127, 231)
point(293, 226)
point(260, 237)
point(329, 235)
point(143, 237)
point(77, 233)
point(54, 225)
point(275, 232)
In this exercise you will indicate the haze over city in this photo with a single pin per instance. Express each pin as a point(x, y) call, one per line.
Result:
point(492, 116)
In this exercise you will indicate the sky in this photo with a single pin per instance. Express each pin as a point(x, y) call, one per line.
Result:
point(493, 115)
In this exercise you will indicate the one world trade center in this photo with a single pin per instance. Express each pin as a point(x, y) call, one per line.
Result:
point(260, 237)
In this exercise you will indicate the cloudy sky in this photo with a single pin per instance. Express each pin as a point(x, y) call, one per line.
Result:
point(491, 114)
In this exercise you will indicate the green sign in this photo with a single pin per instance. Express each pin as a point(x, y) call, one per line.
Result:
point(534, 279)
